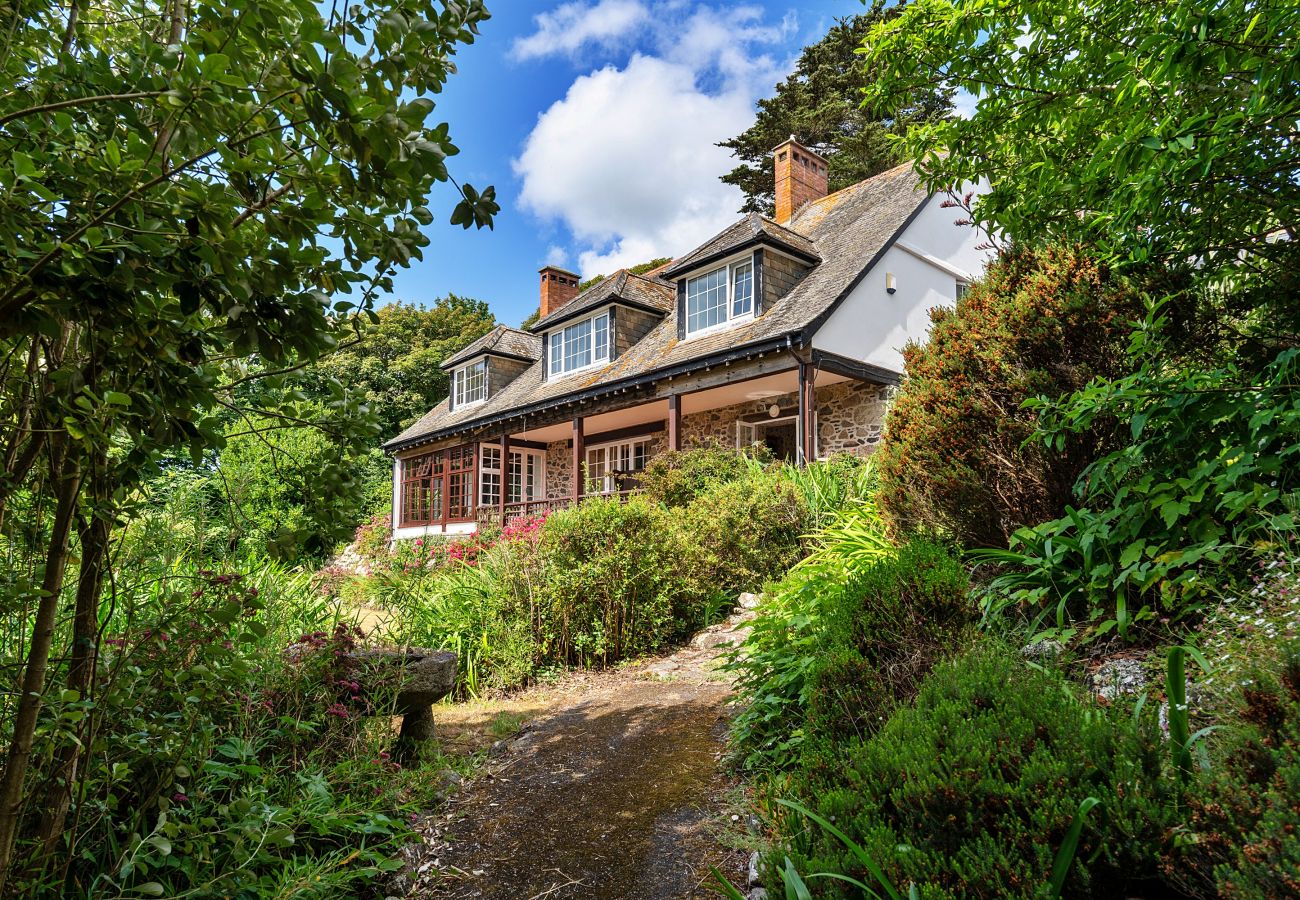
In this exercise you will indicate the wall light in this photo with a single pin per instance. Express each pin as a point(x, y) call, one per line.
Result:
point(889, 283)
point(774, 411)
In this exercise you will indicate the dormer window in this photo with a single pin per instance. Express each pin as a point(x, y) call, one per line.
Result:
point(469, 384)
point(579, 346)
point(719, 298)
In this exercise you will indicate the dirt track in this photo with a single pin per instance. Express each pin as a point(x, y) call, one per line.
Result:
point(613, 793)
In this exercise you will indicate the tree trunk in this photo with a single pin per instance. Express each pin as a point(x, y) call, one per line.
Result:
point(93, 538)
point(66, 478)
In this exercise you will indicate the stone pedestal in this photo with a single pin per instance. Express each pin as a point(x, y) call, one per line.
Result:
point(427, 676)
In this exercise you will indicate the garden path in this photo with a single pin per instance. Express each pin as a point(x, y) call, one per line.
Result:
point(614, 792)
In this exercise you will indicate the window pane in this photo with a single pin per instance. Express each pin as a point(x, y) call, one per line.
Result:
point(577, 346)
point(706, 300)
point(557, 352)
point(471, 383)
point(602, 336)
point(742, 290)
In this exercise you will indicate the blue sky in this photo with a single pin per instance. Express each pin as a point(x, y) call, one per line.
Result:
point(596, 120)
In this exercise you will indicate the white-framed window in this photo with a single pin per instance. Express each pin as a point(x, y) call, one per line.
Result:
point(525, 476)
point(578, 346)
point(489, 476)
point(469, 384)
point(962, 287)
point(720, 297)
point(609, 466)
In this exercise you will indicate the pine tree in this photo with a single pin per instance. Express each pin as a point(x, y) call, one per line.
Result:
point(820, 104)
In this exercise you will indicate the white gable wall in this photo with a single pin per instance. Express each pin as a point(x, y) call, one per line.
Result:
point(872, 325)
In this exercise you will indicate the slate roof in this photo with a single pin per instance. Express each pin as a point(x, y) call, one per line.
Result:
point(635, 290)
point(848, 231)
point(502, 341)
point(750, 230)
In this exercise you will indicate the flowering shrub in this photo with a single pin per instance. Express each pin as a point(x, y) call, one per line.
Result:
point(227, 759)
point(373, 538)
point(954, 454)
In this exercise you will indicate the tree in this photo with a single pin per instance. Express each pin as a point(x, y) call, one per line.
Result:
point(957, 455)
point(185, 184)
point(1151, 130)
point(394, 363)
point(821, 105)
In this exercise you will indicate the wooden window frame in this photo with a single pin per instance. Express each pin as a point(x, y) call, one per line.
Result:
point(432, 475)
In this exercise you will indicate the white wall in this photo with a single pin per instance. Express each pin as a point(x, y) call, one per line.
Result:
point(423, 531)
point(873, 325)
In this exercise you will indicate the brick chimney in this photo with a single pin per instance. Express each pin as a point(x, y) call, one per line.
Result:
point(800, 177)
point(559, 286)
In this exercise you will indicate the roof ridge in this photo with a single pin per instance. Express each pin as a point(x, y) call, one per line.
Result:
point(848, 187)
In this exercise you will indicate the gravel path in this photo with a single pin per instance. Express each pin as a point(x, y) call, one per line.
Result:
point(614, 793)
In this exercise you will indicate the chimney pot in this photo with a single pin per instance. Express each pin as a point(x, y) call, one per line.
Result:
point(800, 178)
point(559, 286)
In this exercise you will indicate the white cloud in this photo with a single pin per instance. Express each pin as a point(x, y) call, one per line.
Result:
point(627, 159)
point(557, 255)
point(568, 27)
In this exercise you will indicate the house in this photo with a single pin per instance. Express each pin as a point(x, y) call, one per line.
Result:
point(787, 332)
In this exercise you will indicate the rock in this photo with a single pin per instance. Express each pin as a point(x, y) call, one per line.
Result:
point(498, 748)
point(1042, 650)
point(748, 600)
point(450, 779)
point(714, 636)
point(758, 893)
point(1119, 676)
point(753, 869)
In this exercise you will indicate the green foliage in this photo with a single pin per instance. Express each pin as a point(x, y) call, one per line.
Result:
point(1210, 471)
point(294, 493)
point(394, 362)
point(195, 196)
point(973, 789)
point(740, 534)
point(787, 645)
point(1246, 813)
point(881, 638)
point(1113, 124)
point(820, 103)
point(957, 455)
point(611, 582)
point(678, 477)
point(229, 766)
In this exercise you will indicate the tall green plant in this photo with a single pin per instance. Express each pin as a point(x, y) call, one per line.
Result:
point(1210, 470)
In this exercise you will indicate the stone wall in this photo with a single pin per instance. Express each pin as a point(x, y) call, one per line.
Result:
point(559, 470)
point(850, 416)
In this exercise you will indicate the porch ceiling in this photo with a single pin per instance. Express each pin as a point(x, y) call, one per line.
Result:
point(730, 394)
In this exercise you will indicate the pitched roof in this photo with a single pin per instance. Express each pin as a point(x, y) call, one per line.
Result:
point(501, 341)
point(750, 230)
point(848, 229)
point(622, 286)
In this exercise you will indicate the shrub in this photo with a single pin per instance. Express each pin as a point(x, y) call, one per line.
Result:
point(883, 635)
point(740, 534)
point(677, 477)
point(227, 766)
point(788, 641)
point(954, 455)
point(610, 581)
point(1211, 469)
point(970, 791)
point(1246, 813)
